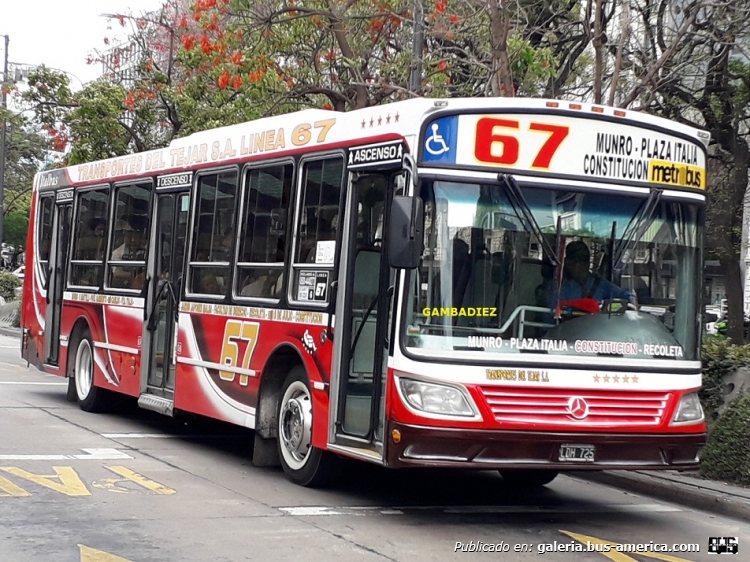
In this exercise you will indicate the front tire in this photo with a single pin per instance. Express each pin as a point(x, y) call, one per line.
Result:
point(303, 464)
point(91, 398)
point(532, 478)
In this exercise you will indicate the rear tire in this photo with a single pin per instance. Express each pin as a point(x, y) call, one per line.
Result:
point(532, 478)
point(91, 398)
point(303, 464)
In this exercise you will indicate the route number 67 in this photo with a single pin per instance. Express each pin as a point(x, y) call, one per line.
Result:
point(496, 146)
point(240, 339)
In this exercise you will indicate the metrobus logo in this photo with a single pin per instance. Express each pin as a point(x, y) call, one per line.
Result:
point(677, 174)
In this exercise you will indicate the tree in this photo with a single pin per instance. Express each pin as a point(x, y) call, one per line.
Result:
point(687, 61)
point(27, 149)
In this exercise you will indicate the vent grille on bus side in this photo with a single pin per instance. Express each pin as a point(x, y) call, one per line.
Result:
point(548, 406)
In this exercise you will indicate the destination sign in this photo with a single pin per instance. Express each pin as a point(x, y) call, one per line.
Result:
point(64, 196)
point(384, 154)
point(175, 180)
point(562, 145)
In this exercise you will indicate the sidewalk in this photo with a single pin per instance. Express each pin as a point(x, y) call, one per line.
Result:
point(687, 489)
point(8, 313)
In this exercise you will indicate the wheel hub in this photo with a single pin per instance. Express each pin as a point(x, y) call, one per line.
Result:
point(296, 425)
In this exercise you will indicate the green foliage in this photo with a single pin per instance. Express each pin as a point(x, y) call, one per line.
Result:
point(726, 455)
point(8, 282)
point(720, 357)
point(16, 227)
point(96, 124)
point(26, 152)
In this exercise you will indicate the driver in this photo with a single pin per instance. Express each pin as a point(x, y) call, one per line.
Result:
point(579, 282)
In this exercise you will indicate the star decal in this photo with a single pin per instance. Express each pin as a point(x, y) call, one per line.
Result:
point(372, 122)
point(363, 123)
point(380, 120)
point(388, 118)
point(396, 117)
point(596, 378)
point(616, 378)
point(606, 378)
point(635, 378)
point(625, 378)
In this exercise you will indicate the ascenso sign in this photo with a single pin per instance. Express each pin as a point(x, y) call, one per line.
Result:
point(566, 146)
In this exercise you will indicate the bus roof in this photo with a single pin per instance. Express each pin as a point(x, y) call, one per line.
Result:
point(321, 129)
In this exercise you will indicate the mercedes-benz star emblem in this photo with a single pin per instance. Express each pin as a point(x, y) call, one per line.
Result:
point(578, 407)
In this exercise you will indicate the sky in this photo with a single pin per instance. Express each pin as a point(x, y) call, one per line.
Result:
point(61, 34)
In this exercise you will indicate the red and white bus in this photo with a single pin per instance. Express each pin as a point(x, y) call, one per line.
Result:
point(505, 284)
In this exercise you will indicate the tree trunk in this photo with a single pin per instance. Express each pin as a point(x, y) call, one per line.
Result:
point(730, 269)
point(501, 81)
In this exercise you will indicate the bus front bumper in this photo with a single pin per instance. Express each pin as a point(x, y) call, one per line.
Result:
point(497, 449)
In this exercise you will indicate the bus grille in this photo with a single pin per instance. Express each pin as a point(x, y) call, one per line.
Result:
point(530, 406)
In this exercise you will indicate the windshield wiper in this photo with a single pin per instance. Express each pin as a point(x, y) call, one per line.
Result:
point(638, 224)
point(521, 207)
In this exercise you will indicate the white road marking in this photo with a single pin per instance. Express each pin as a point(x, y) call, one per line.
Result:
point(138, 435)
point(37, 383)
point(159, 436)
point(314, 511)
point(91, 455)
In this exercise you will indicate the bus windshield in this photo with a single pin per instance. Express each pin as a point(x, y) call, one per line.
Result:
point(577, 273)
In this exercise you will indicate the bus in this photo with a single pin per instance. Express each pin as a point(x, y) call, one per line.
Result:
point(504, 284)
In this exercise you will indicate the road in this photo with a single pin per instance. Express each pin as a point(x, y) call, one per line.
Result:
point(134, 486)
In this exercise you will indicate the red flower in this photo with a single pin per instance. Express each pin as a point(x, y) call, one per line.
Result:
point(188, 41)
point(236, 81)
point(223, 80)
point(206, 46)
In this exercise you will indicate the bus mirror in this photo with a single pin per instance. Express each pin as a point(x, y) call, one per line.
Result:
point(405, 232)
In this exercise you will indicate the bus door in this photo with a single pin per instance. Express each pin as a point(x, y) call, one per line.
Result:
point(58, 267)
point(165, 272)
point(363, 309)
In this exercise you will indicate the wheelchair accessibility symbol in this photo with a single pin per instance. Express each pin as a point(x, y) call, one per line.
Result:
point(435, 143)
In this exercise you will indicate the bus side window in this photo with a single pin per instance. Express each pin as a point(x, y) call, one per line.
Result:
point(213, 233)
point(260, 262)
point(46, 204)
point(90, 237)
point(315, 249)
point(127, 257)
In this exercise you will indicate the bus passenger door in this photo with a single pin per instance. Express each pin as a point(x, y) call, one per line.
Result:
point(165, 272)
point(59, 258)
point(363, 306)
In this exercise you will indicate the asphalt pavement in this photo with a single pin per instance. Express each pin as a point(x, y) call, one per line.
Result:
point(684, 488)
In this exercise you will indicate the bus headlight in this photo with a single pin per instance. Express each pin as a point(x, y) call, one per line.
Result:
point(433, 398)
point(689, 409)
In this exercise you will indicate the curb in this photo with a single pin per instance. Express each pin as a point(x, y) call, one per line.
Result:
point(12, 332)
point(677, 491)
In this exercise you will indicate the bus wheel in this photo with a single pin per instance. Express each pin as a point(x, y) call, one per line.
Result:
point(302, 463)
point(91, 398)
point(532, 478)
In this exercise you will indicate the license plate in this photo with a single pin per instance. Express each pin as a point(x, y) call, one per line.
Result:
point(577, 453)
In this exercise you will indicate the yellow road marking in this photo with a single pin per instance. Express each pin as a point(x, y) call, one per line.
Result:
point(9, 489)
point(93, 555)
point(141, 480)
point(70, 483)
point(619, 556)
